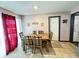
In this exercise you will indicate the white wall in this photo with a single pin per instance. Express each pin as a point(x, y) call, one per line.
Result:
point(44, 18)
point(19, 27)
point(75, 9)
point(2, 37)
point(2, 45)
point(35, 18)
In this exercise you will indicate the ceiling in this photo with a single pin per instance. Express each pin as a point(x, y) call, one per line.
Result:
point(26, 7)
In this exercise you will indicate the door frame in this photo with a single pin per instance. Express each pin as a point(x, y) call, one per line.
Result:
point(59, 25)
point(72, 26)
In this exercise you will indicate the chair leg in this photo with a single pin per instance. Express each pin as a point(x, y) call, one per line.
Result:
point(32, 50)
point(47, 46)
point(50, 44)
point(41, 51)
point(25, 49)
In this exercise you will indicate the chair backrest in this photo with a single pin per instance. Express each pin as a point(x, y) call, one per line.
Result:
point(25, 39)
point(21, 35)
point(51, 35)
point(37, 41)
point(29, 39)
point(40, 32)
point(34, 32)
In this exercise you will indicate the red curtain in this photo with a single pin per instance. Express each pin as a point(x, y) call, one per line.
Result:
point(10, 31)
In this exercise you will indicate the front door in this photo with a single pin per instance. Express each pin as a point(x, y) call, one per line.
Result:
point(10, 31)
point(54, 27)
point(76, 29)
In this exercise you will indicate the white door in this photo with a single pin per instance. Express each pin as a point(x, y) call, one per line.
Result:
point(76, 29)
point(54, 27)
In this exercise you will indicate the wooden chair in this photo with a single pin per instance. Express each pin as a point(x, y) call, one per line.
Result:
point(37, 44)
point(28, 43)
point(51, 35)
point(22, 40)
point(34, 32)
point(40, 32)
point(50, 38)
point(25, 43)
point(21, 35)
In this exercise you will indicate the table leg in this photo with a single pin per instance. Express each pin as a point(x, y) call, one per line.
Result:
point(47, 46)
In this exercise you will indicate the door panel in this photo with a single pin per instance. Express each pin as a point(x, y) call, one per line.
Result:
point(76, 29)
point(10, 31)
point(54, 27)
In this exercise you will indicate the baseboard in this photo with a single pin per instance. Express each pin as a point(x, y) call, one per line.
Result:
point(75, 43)
point(60, 41)
point(64, 41)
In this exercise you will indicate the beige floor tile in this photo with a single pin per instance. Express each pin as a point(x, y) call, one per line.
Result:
point(65, 50)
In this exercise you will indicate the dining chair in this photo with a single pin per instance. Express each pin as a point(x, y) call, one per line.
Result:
point(37, 44)
point(40, 32)
point(28, 43)
point(50, 38)
point(34, 32)
point(51, 35)
point(22, 40)
point(25, 41)
point(21, 35)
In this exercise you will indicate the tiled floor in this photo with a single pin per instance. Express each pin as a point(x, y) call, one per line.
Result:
point(59, 50)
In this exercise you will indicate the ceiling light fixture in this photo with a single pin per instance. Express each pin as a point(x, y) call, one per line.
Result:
point(35, 7)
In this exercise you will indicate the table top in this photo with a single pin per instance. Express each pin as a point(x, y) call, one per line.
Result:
point(43, 36)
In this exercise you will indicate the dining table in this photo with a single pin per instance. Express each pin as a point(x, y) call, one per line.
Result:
point(44, 38)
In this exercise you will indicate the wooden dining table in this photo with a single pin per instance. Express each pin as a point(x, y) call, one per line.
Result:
point(44, 37)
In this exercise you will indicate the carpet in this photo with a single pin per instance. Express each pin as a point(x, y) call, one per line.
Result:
point(56, 44)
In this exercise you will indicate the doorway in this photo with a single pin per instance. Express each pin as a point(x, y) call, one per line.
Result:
point(54, 27)
point(74, 28)
point(10, 32)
